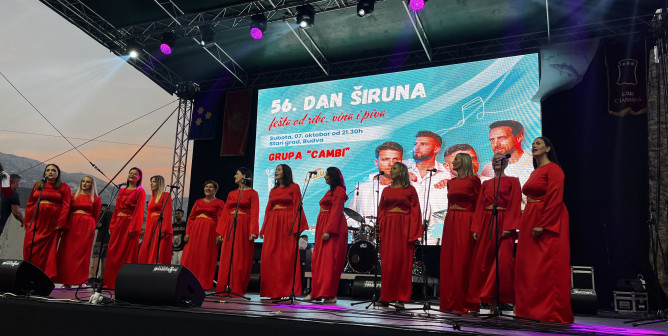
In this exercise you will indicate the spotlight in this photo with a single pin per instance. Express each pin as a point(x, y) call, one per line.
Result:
point(365, 7)
point(167, 43)
point(305, 16)
point(417, 5)
point(132, 48)
point(258, 26)
point(208, 33)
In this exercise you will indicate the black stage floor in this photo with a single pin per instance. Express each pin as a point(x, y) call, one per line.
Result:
point(63, 314)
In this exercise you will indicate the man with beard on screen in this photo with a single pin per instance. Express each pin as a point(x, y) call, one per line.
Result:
point(505, 137)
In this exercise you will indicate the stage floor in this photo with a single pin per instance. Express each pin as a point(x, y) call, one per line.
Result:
point(62, 313)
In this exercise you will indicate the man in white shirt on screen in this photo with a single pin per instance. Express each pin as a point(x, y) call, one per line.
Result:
point(366, 197)
point(505, 137)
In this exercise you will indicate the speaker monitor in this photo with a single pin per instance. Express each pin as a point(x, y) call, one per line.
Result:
point(158, 285)
point(21, 277)
point(363, 287)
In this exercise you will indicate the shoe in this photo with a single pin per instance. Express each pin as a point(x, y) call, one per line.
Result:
point(330, 300)
point(399, 305)
point(308, 298)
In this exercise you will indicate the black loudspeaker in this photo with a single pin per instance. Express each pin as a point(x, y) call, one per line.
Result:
point(158, 285)
point(21, 277)
point(363, 287)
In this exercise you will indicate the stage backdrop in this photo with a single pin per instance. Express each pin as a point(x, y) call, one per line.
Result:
point(341, 123)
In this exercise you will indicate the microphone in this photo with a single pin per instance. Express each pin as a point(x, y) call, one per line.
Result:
point(122, 184)
point(505, 157)
point(433, 170)
point(45, 178)
point(174, 187)
point(379, 174)
point(249, 179)
point(313, 172)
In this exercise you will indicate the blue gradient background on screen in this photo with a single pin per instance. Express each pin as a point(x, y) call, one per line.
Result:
point(460, 103)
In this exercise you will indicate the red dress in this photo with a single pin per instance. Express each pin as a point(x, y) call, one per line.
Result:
point(482, 284)
point(244, 248)
point(149, 246)
point(280, 244)
point(457, 245)
point(76, 241)
point(542, 268)
point(53, 211)
point(400, 223)
point(125, 226)
point(201, 251)
point(329, 257)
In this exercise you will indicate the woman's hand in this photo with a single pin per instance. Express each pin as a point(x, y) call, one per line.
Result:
point(261, 235)
point(475, 236)
point(252, 236)
point(219, 239)
point(325, 236)
point(537, 231)
point(186, 238)
point(505, 234)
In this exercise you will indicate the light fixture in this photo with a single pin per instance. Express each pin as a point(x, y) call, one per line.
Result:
point(167, 43)
point(132, 48)
point(258, 26)
point(305, 16)
point(417, 5)
point(365, 7)
point(207, 33)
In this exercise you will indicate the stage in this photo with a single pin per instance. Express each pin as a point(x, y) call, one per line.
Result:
point(63, 314)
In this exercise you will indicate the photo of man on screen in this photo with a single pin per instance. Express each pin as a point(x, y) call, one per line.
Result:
point(365, 199)
point(505, 137)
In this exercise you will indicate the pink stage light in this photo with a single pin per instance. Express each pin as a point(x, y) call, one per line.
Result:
point(256, 33)
point(417, 5)
point(166, 49)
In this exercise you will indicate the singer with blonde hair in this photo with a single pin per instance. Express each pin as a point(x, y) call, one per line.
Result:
point(156, 245)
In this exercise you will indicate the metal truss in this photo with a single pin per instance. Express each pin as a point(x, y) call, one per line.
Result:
point(103, 32)
point(419, 29)
point(180, 160)
point(506, 46)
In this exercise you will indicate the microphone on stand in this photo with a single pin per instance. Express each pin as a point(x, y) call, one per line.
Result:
point(249, 179)
point(45, 178)
point(433, 170)
point(122, 184)
point(313, 172)
point(505, 157)
point(379, 175)
point(174, 187)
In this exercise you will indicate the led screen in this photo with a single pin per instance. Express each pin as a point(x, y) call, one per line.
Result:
point(362, 125)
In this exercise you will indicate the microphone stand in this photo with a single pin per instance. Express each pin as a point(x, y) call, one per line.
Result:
point(233, 231)
point(159, 226)
point(96, 282)
point(375, 296)
point(33, 223)
point(292, 298)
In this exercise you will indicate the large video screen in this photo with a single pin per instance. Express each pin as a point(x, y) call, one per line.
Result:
point(420, 117)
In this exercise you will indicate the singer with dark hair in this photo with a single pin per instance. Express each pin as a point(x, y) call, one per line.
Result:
point(154, 231)
point(54, 207)
point(400, 224)
point(201, 251)
point(247, 230)
point(76, 241)
point(542, 268)
point(281, 231)
point(331, 239)
point(457, 240)
point(125, 226)
point(482, 285)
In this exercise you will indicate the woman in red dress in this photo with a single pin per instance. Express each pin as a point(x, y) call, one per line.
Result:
point(44, 226)
point(482, 285)
point(242, 241)
point(400, 225)
point(457, 244)
point(279, 248)
point(76, 241)
point(125, 226)
point(201, 251)
point(156, 231)
point(331, 240)
point(542, 268)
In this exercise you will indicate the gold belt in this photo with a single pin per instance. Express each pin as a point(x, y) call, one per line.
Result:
point(323, 210)
point(397, 209)
point(532, 200)
point(120, 214)
point(203, 216)
point(490, 207)
point(155, 214)
point(238, 212)
point(278, 207)
point(81, 212)
point(46, 202)
point(456, 207)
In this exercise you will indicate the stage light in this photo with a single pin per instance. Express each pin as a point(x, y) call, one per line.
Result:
point(132, 48)
point(167, 43)
point(305, 16)
point(365, 7)
point(417, 5)
point(208, 34)
point(258, 26)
